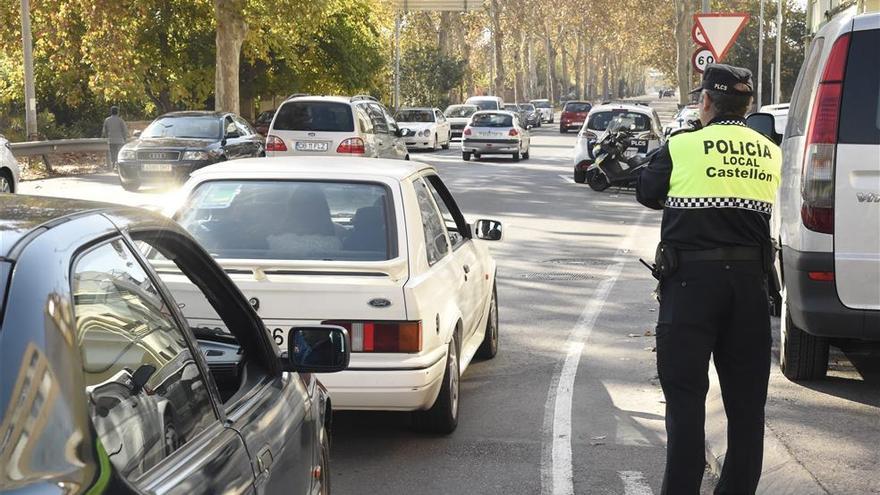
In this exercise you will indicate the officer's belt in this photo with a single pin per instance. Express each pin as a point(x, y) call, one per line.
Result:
point(738, 253)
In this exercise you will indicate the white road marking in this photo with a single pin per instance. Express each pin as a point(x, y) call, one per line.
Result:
point(566, 178)
point(556, 460)
point(634, 483)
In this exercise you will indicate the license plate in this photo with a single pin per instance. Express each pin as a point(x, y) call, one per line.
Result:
point(311, 146)
point(157, 167)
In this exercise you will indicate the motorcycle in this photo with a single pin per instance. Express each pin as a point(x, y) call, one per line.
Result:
point(613, 164)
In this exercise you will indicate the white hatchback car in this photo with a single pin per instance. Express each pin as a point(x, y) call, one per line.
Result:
point(334, 125)
point(9, 168)
point(383, 251)
point(493, 132)
point(424, 128)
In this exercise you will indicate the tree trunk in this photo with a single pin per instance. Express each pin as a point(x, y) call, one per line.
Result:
point(578, 67)
point(498, 39)
point(684, 10)
point(231, 30)
point(587, 69)
point(533, 69)
point(518, 90)
point(443, 33)
point(553, 92)
point(565, 83)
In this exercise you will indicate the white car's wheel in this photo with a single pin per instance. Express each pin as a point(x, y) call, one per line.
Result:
point(489, 348)
point(5, 182)
point(442, 417)
point(448, 140)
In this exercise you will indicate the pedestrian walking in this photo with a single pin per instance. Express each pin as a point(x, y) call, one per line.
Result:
point(116, 133)
point(716, 187)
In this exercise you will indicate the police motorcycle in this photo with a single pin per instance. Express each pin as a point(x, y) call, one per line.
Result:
point(615, 161)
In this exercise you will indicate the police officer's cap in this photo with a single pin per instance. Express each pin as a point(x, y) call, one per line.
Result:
point(724, 78)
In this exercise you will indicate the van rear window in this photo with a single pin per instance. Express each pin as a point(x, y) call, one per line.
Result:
point(318, 116)
point(860, 105)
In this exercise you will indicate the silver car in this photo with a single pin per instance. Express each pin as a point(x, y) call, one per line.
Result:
point(495, 133)
point(9, 169)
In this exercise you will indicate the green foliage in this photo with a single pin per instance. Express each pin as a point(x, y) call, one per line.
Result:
point(427, 76)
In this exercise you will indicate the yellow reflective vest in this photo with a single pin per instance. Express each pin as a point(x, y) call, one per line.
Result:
point(724, 165)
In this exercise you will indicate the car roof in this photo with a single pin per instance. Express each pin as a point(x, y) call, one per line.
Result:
point(195, 113)
point(484, 98)
point(22, 215)
point(607, 107)
point(427, 109)
point(503, 112)
point(337, 99)
point(329, 167)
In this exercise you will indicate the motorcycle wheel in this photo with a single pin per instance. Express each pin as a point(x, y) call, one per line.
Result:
point(597, 181)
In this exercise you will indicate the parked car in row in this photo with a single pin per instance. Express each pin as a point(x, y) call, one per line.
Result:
point(383, 251)
point(643, 122)
point(424, 128)
point(495, 133)
point(9, 168)
point(684, 119)
point(109, 389)
point(574, 113)
point(533, 117)
point(177, 143)
point(458, 117)
point(335, 125)
point(829, 215)
point(545, 108)
point(486, 102)
point(262, 122)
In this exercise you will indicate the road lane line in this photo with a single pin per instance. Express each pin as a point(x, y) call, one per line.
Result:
point(634, 483)
point(566, 178)
point(556, 452)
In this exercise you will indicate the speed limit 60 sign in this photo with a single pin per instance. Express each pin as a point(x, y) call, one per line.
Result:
point(701, 58)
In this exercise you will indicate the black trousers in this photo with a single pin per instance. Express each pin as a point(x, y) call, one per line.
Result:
point(719, 309)
point(113, 153)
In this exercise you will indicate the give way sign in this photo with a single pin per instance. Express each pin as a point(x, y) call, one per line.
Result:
point(719, 31)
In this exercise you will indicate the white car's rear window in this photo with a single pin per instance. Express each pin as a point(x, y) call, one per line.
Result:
point(316, 116)
point(291, 220)
point(492, 120)
point(599, 121)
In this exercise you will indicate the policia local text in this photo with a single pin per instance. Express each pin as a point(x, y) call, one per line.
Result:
point(740, 154)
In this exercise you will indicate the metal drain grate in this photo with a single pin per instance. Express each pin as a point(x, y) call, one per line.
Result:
point(548, 276)
point(577, 261)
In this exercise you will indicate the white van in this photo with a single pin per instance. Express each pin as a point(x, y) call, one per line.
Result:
point(829, 215)
point(486, 102)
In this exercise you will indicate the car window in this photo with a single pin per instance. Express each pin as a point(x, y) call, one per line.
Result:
point(414, 116)
point(378, 117)
point(198, 127)
point(439, 116)
point(146, 394)
point(485, 104)
point(577, 107)
point(315, 116)
point(312, 220)
point(542, 104)
point(860, 104)
point(364, 122)
point(231, 130)
point(446, 209)
point(459, 111)
point(492, 120)
point(244, 128)
point(800, 99)
point(436, 242)
point(599, 121)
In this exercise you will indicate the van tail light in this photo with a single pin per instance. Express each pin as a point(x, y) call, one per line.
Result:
point(275, 143)
point(817, 178)
point(513, 132)
point(383, 336)
point(467, 131)
point(821, 276)
point(353, 146)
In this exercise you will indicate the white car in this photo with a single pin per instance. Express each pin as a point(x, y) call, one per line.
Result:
point(682, 120)
point(486, 102)
point(383, 251)
point(646, 127)
point(458, 117)
point(545, 108)
point(424, 128)
point(9, 168)
point(495, 133)
point(334, 125)
point(779, 112)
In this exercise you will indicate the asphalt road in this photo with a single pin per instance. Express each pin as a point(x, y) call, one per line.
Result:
point(571, 404)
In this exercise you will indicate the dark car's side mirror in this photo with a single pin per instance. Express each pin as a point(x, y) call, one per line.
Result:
point(317, 349)
point(398, 132)
point(764, 123)
point(488, 230)
point(136, 134)
point(140, 377)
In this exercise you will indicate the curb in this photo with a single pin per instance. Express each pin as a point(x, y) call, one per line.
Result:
point(782, 474)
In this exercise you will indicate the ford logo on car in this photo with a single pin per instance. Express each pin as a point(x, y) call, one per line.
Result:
point(379, 303)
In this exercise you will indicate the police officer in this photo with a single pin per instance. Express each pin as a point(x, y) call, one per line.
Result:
point(716, 186)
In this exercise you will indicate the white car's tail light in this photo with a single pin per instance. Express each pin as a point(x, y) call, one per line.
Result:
point(817, 189)
point(467, 131)
point(353, 146)
point(275, 143)
point(383, 336)
point(513, 132)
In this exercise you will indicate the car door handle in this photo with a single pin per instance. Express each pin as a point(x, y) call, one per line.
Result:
point(264, 460)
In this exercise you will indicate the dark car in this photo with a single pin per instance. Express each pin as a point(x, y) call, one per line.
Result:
point(574, 113)
point(262, 122)
point(177, 143)
point(109, 386)
point(532, 115)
